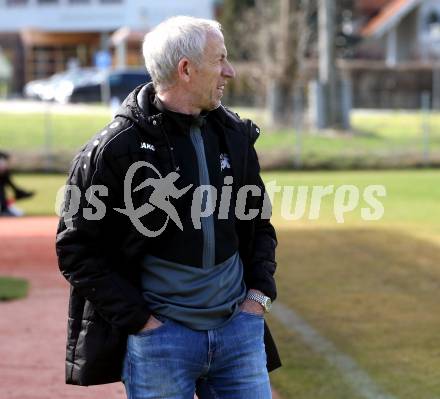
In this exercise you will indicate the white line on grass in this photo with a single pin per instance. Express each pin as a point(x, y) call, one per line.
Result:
point(358, 379)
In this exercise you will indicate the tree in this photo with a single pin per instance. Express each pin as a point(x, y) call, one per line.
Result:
point(277, 36)
point(282, 47)
point(333, 39)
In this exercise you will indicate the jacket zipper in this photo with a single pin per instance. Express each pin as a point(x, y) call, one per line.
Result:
point(207, 223)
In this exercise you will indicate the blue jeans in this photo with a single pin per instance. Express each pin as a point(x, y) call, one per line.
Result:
point(172, 361)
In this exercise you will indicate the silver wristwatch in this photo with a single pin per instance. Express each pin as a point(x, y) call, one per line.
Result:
point(264, 300)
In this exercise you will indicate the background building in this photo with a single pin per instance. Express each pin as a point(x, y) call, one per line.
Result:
point(398, 56)
point(41, 37)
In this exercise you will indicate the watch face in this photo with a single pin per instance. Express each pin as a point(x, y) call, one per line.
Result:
point(267, 304)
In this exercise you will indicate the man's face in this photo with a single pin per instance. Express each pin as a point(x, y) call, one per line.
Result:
point(211, 75)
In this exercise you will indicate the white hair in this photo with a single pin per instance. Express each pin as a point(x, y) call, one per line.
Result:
point(172, 40)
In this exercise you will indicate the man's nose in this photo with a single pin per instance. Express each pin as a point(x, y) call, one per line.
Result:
point(228, 71)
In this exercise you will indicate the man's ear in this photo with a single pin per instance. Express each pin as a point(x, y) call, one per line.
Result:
point(184, 70)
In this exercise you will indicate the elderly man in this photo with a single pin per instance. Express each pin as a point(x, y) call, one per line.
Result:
point(171, 266)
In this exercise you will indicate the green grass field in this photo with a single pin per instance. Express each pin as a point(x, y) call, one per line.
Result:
point(34, 131)
point(371, 287)
point(12, 288)
point(373, 293)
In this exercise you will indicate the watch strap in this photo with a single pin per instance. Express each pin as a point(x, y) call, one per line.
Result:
point(263, 300)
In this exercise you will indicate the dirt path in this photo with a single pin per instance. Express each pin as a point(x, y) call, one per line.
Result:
point(33, 330)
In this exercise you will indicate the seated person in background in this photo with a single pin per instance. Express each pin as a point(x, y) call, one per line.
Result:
point(7, 207)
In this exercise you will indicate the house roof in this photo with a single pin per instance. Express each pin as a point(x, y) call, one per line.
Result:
point(370, 6)
point(126, 34)
point(390, 15)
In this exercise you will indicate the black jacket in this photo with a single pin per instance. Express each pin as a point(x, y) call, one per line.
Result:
point(100, 258)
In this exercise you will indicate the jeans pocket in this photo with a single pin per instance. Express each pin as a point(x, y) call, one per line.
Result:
point(257, 315)
point(151, 331)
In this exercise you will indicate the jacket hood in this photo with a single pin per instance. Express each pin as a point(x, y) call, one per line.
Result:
point(138, 106)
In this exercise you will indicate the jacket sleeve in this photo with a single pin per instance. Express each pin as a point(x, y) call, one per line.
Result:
point(84, 256)
point(262, 251)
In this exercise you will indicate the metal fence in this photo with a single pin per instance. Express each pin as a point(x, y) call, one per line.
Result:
point(394, 137)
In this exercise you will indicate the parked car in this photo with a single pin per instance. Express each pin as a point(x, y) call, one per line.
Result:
point(34, 88)
point(87, 85)
point(64, 86)
point(116, 84)
point(56, 86)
